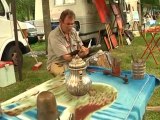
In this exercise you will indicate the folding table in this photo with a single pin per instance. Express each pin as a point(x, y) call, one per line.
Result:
point(152, 43)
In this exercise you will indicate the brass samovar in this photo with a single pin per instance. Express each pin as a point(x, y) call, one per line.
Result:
point(78, 83)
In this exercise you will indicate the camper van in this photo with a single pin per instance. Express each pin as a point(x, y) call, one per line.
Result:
point(87, 20)
point(7, 39)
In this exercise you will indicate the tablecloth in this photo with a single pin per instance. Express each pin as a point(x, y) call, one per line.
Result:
point(130, 103)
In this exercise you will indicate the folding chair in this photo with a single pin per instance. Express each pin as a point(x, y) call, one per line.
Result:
point(153, 42)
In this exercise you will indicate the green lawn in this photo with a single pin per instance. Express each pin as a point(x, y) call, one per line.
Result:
point(33, 78)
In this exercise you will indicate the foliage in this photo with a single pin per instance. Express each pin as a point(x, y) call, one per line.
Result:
point(24, 9)
point(152, 2)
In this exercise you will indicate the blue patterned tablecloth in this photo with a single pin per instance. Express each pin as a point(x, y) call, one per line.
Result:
point(129, 105)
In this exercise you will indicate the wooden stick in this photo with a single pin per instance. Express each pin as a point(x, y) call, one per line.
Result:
point(28, 43)
point(38, 64)
point(153, 108)
point(108, 34)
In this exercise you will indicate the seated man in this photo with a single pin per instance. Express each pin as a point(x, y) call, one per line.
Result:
point(63, 44)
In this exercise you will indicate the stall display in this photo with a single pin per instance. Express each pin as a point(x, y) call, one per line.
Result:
point(108, 98)
point(104, 15)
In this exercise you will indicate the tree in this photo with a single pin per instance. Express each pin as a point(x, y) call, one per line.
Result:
point(25, 9)
point(46, 19)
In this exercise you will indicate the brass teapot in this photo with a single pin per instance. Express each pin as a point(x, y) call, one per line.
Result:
point(78, 83)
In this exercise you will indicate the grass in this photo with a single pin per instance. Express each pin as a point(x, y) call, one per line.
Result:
point(33, 78)
point(30, 78)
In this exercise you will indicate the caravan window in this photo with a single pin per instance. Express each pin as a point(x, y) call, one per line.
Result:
point(63, 2)
point(2, 12)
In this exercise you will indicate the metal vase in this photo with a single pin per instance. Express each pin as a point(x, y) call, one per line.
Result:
point(78, 83)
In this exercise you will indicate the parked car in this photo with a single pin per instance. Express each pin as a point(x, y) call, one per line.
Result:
point(32, 33)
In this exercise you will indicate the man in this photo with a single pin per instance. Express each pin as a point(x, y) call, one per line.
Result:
point(63, 41)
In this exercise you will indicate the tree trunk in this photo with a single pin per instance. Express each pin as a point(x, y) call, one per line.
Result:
point(16, 40)
point(46, 19)
point(28, 13)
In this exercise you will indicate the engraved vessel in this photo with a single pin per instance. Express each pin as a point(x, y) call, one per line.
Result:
point(78, 83)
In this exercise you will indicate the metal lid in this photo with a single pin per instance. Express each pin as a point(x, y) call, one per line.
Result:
point(77, 62)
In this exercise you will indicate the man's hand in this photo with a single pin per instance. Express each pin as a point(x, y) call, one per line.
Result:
point(83, 51)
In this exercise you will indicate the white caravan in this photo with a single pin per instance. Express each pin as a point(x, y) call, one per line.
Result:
point(87, 17)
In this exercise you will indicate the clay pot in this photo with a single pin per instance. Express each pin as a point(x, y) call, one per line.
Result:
point(46, 106)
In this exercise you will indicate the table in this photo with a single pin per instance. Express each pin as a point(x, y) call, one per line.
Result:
point(129, 105)
point(153, 42)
